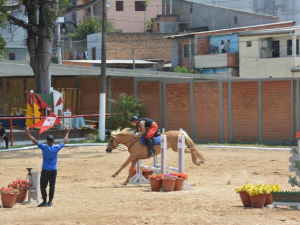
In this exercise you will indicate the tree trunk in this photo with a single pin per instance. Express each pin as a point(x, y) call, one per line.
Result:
point(41, 15)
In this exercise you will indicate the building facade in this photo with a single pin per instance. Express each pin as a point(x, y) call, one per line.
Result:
point(15, 36)
point(193, 14)
point(270, 53)
point(213, 52)
point(127, 16)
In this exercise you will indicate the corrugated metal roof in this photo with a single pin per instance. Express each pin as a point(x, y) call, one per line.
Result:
point(224, 30)
point(270, 31)
point(113, 61)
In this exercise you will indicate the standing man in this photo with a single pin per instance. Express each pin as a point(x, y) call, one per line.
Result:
point(3, 135)
point(49, 168)
point(143, 123)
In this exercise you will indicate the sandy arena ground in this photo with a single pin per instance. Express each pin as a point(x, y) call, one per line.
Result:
point(87, 194)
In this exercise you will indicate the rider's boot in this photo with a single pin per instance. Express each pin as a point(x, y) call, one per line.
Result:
point(151, 150)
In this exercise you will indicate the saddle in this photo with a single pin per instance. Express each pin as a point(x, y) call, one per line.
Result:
point(156, 138)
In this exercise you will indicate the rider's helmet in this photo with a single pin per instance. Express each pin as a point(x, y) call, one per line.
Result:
point(134, 118)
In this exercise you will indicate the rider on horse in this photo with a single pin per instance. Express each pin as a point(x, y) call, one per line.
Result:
point(149, 123)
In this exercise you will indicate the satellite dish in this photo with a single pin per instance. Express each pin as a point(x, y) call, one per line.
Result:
point(108, 4)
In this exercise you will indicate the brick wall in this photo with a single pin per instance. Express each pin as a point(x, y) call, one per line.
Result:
point(120, 45)
point(184, 61)
point(147, 46)
point(233, 59)
point(245, 111)
point(149, 93)
point(276, 105)
point(276, 110)
point(121, 85)
point(178, 106)
point(206, 111)
point(202, 45)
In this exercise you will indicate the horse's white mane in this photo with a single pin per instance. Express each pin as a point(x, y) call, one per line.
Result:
point(124, 131)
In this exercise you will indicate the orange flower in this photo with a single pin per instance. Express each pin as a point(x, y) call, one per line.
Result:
point(181, 175)
point(156, 176)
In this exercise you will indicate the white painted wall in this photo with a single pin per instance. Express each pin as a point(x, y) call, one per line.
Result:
point(252, 65)
point(211, 61)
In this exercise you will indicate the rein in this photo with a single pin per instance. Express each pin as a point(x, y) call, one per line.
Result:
point(129, 141)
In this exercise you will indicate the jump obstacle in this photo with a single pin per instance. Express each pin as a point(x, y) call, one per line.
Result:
point(138, 178)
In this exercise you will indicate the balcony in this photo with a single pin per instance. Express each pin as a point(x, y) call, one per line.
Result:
point(217, 60)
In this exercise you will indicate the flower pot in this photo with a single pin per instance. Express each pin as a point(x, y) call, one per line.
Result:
point(168, 184)
point(8, 200)
point(178, 184)
point(147, 173)
point(269, 199)
point(245, 198)
point(258, 201)
point(155, 184)
point(21, 196)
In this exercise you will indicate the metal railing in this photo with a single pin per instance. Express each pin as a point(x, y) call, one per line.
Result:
point(22, 118)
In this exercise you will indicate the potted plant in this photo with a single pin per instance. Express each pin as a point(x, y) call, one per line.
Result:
point(258, 195)
point(181, 177)
point(146, 172)
point(269, 197)
point(244, 196)
point(22, 186)
point(8, 196)
point(168, 181)
point(155, 182)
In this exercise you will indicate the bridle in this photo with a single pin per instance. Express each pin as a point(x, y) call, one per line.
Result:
point(127, 141)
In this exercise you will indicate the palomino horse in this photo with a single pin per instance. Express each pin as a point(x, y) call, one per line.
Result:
point(138, 151)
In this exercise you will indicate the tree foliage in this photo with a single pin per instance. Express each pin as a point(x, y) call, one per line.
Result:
point(3, 16)
point(123, 109)
point(42, 15)
point(91, 26)
point(182, 69)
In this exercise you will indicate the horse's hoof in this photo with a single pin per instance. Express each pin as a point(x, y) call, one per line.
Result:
point(125, 183)
point(114, 175)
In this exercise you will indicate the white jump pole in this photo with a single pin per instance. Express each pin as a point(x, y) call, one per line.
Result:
point(163, 159)
point(181, 147)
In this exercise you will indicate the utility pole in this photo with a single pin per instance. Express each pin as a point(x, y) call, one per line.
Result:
point(102, 83)
point(58, 50)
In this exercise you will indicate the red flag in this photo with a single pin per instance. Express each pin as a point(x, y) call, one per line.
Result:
point(47, 123)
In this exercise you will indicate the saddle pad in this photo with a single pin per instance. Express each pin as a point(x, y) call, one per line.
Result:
point(156, 141)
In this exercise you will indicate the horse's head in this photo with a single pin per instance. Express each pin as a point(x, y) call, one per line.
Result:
point(112, 144)
point(119, 137)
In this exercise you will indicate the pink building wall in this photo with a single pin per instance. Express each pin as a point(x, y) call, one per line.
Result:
point(128, 20)
point(131, 21)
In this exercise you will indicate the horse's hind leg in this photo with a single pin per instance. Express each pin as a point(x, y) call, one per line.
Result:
point(195, 159)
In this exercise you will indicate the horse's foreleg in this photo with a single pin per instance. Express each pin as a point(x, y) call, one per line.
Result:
point(133, 163)
point(129, 160)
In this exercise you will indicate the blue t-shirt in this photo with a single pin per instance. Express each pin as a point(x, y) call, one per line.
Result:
point(50, 155)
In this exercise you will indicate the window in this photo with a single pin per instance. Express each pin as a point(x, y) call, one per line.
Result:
point(139, 6)
point(249, 43)
point(235, 20)
point(186, 52)
point(12, 56)
point(290, 48)
point(276, 52)
point(119, 6)
point(93, 53)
